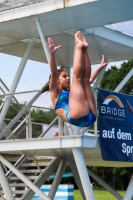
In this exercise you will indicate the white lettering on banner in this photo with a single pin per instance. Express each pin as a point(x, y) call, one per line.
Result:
point(123, 136)
point(127, 149)
point(108, 133)
point(112, 111)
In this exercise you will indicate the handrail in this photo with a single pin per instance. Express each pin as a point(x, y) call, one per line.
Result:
point(3, 95)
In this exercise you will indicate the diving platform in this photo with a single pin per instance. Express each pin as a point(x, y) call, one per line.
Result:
point(61, 147)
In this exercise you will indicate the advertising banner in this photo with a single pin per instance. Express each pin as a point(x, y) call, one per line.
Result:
point(116, 126)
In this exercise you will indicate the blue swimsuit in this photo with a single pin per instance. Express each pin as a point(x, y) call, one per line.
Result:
point(84, 121)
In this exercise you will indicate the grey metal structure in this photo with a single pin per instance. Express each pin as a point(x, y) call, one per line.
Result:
point(59, 19)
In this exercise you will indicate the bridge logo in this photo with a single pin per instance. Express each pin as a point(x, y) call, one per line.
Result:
point(110, 98)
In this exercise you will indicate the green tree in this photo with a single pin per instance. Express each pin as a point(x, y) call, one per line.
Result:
point(114, 76)
point(42, 116)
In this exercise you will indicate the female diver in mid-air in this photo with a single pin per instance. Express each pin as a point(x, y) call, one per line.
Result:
point(75, 104)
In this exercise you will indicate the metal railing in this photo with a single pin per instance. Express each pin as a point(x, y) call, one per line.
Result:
point(31, 124)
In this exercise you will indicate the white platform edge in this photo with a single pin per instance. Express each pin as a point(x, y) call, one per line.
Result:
point(38, 8)
point(49, 143)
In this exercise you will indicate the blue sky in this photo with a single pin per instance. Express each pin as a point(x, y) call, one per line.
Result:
point(34, 76)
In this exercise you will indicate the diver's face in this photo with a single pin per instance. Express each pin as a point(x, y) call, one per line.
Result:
point(63, 80)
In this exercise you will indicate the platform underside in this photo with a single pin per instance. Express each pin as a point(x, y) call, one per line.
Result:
point(60, 21)
point(60, 147)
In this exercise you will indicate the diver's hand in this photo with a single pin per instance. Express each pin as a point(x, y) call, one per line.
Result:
point(51, 46)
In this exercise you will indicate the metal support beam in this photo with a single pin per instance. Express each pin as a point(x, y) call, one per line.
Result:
point(5, 185)
point(5, 86)
point(58, 178)
point(41, 33)
point(76, 176)
point(30, 124)
point(124, 81)
point(129, 192)
point(105, 185)
point(99, 78)
point(42, 38)
point(84, 177)
point(27, 128)
point(111, 35)
point(95, 124)
point(60, 125)
point(23, 178)
point(66, 132)
point(16, 81)
point(17, 117)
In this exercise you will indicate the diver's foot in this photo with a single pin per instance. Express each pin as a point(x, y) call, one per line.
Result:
point(78, 41)
point(83, 40)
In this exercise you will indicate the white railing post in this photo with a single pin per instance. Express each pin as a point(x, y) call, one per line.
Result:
point(60, 125)
point(30, 124)
point(27, 128)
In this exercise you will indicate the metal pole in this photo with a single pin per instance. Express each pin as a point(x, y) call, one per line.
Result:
point(24, 179)
point(76, 176)
point(105, 185)
point(95, 124)
point(15, 81)
point(60, 125)
point(17, 117)
point(66, 132)
point(5, 185)
point(124, 81)
point(30, 124)
point(48, 59)
point(27, 127)
point(129, 192)
point(42, 39)
point(70, 129)
point(84, 177)
point(57, 178)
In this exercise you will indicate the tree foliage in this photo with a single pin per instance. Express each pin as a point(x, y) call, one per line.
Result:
point(115, 75)
point(41, 116)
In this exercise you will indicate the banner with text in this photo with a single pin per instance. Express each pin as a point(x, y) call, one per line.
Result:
point(116, 126)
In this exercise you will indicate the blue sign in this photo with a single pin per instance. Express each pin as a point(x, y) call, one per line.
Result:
point(116, 126)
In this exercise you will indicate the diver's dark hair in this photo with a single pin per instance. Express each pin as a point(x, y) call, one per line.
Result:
point(46, 88)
